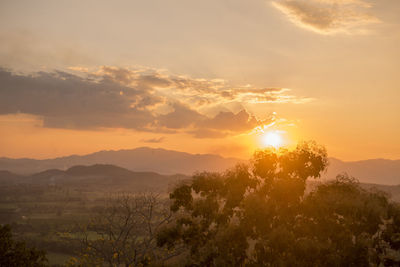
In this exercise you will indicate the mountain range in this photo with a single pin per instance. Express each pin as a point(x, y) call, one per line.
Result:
point(375, 171)
point(141, 159)
point(168, 162)
point(95, 178)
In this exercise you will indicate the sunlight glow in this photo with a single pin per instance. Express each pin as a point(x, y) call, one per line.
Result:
point(273, 139)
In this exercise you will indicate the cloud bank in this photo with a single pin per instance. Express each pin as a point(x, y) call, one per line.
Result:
point(141, 99)
point(328, 16)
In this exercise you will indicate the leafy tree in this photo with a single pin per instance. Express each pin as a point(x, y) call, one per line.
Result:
point(15, 254)
point(361, 227)
point(259, 214)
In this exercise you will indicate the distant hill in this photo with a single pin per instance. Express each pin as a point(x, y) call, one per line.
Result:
point(392, 190)
point(374, 171)
point(110, 178)
point(6, 177)
point(139, 159)
point(98, 178)
point(144, 159)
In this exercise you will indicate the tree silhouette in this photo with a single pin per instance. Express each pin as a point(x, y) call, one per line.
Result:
point(259, 215)
point(15, 253)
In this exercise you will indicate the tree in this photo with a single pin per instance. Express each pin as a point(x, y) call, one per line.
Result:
point(361, 227)
point(15, 254)
point(123, 232)
point(259, 214)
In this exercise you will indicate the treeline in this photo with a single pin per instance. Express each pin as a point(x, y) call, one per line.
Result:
point(257, 214)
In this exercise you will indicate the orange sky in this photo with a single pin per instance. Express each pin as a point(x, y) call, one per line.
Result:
point(199, 76)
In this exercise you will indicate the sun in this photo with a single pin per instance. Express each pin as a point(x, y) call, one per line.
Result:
point(273, 139)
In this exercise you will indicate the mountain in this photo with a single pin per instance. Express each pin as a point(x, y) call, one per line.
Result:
point(95, 178)
point(374, 171)
point(380, 174)
point(109, 178)
point(139, 159)
point(6, 177)
point(392, 190)
point(144, 159)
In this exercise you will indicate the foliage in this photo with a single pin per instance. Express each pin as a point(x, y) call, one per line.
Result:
point(260, 215)
point(14, 253)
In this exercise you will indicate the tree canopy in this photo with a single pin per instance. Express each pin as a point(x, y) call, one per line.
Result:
point(260, 214)
point(16, 253)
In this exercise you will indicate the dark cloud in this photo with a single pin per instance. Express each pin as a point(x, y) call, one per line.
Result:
point(208, 133)
point(239, 122)
point(64, 100)
point(181, 117)
point(154, 140)
point(226, 123)
point(221, 125)
point(140, 99)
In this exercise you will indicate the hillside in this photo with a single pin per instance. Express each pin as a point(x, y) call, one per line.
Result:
point(95, 178)
point(140, 159)
point(111, 178)
point(374, 171)
point(168, 162)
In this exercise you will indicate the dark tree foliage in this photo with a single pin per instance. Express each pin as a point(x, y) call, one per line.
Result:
point(260, 215)
point(16, 254)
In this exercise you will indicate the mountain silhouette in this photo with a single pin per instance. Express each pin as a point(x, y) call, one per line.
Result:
point(99, 177)
point(168, 162)
point(376, 171)
point(111, 178)
point(140, 159)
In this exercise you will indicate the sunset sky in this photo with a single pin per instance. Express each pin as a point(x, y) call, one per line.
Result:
point(209, 76)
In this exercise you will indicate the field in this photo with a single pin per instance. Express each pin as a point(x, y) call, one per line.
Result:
point(48, 217)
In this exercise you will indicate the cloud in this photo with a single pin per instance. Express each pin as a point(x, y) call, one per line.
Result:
point(328, 16)
point(223, 124)
point(154, 140)
point(228, 121)
point(181, 117)
point(195, 92)
point(65, 100)
point(207, 133)
point(142, 99)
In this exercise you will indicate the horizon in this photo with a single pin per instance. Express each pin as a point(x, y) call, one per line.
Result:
point(161, 148)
